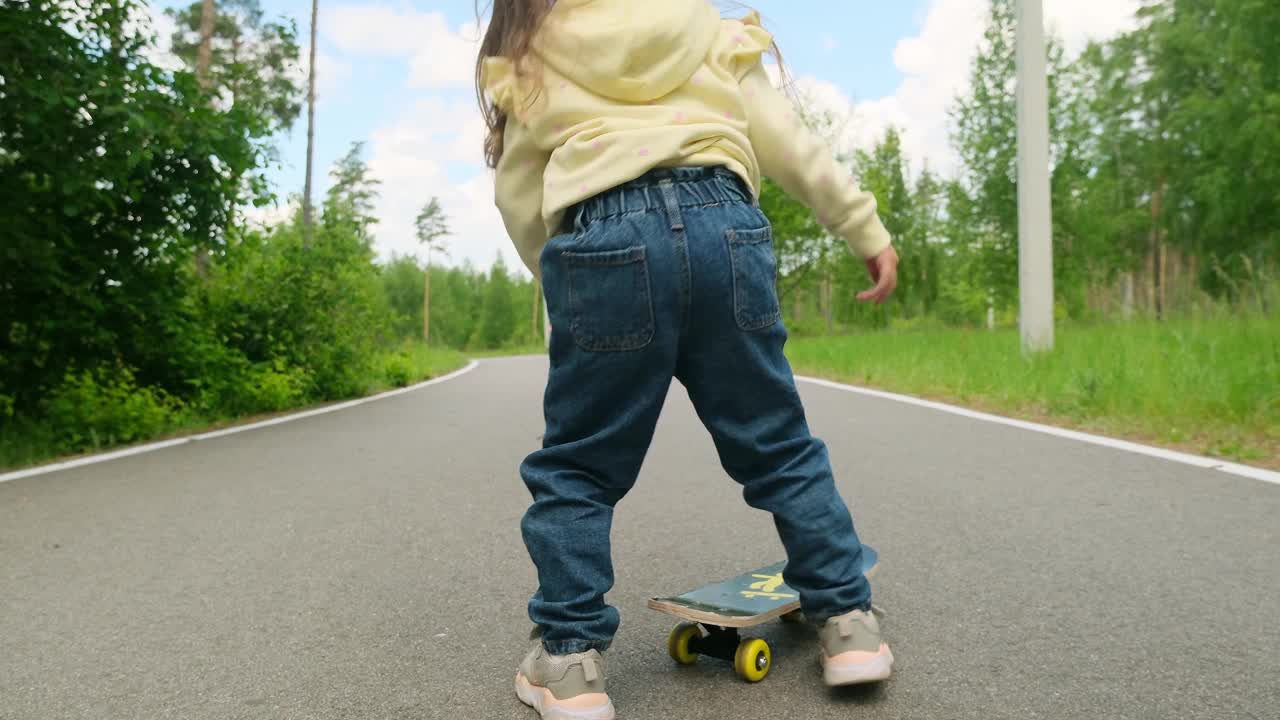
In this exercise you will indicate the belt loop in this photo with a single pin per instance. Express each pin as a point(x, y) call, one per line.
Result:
point(672, 203)
point(578, 213)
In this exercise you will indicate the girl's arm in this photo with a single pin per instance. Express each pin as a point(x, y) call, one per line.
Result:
point(792, 156)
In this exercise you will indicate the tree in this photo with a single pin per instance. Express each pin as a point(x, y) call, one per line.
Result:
point(497, 321)
point(244, 60)
point(308, 219)
point(402, 281)
point(884, 173)
point(431, 226)
point(350, 199)
point(114, 173)
point(1210, 90)
point(985, 136)
point(204, 54)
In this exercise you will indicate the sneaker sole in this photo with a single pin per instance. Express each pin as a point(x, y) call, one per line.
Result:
point(876, 669)
point(542, 700)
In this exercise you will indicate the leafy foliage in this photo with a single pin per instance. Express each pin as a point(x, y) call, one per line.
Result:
point(113, 173)
point(252, 62)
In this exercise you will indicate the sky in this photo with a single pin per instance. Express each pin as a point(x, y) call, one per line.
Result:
point(398, 76)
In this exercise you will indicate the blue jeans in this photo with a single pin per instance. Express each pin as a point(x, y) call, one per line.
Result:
point(671, 275)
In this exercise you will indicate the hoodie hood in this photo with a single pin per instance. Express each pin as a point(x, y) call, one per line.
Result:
point(629, 50)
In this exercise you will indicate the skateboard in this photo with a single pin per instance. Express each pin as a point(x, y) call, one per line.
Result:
point(714, 614)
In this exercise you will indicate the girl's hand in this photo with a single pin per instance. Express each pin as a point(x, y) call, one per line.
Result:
point(884, 273)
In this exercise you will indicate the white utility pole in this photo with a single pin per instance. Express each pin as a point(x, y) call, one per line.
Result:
point(1035, 216)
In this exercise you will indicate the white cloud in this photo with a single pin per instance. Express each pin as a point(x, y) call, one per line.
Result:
point(935, 65)
point(273, 214)
point(439, 56)
point(331, 73)
point(413, 156)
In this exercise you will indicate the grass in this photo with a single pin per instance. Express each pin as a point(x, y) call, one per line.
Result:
point(1208, 386)
point(26, 443)
point(424, 362)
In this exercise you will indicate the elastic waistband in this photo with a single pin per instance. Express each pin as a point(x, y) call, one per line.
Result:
point(691, 186)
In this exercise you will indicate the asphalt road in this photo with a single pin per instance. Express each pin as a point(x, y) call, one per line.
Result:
point(367, 564)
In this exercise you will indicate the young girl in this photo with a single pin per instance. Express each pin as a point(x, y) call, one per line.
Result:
point(629, 139)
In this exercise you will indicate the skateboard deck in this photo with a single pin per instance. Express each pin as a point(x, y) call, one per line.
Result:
point(715, 612)
point(746, 600)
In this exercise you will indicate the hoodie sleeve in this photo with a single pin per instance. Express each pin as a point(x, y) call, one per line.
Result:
point(791, 155)
point(518, 192)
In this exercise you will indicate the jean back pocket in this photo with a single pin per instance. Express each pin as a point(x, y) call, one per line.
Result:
point(755, 276)
point(609, 299)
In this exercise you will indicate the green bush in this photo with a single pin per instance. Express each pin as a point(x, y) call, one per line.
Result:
point(106, 407)
point(274, 387)
point(397, 369)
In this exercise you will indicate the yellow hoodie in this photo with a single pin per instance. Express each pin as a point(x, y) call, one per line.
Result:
point(622, 87)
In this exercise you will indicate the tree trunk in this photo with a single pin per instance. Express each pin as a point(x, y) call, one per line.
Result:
point(1157, 256)
point(827, 302)
point(537, 315)
point(1126, 307)
point(205, 52)
point(308, 211)
point(204, 55)
point(426, 302)
point(1164, 278)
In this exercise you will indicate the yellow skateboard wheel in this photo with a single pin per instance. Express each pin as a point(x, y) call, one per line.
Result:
point(753, 659)
point(678, 643)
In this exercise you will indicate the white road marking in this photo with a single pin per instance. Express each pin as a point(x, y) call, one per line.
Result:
point(1267, 476)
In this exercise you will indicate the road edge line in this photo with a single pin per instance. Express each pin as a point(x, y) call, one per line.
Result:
point(1200, 461)
point(211, 434)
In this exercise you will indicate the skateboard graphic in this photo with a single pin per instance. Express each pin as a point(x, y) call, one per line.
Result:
point(714, 613)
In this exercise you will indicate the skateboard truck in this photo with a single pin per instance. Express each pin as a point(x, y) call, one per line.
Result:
point(720, 643)
point(751, 657)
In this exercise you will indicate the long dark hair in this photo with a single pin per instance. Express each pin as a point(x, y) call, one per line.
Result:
point(512, 27)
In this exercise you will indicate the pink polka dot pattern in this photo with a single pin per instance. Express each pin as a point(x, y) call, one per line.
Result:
point(644, 152)
point(728, 115)
point(596, 145)
point(738, 39)
point(680, 116)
